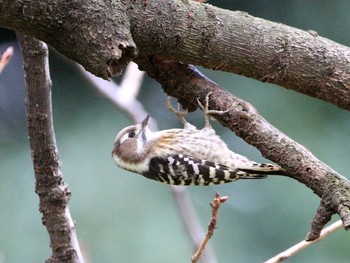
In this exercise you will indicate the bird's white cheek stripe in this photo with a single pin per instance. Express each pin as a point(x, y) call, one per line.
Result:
point(124, 137)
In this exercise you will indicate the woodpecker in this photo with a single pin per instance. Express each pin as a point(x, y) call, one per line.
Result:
point(185, 156)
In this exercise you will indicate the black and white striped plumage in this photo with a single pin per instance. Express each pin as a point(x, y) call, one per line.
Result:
point(184, 156)
point(185, 170)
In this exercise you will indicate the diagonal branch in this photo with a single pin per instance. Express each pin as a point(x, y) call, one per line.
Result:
point(53, 192)
point(187, 84)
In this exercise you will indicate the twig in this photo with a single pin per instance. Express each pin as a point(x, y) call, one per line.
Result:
point(304, 244)
point(212, 224)
point(5, 58)
point(53, 192)
point(124, 97)
point(191, 223)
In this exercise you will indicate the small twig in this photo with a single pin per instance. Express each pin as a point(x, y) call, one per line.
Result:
point(212, 224)
point(191, 222)
point(304, 244)
point(5, 58)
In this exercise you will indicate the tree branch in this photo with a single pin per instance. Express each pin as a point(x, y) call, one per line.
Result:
point(190, 32)
point(236, 42)
point(53, 192)
point(187, 84)
point(76, 28)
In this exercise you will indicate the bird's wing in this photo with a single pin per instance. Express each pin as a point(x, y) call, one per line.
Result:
point(186, 170)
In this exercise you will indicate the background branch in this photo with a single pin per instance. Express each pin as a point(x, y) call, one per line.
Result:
point(53, 192)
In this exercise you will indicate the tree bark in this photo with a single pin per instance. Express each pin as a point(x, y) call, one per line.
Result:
point(53, 192)
point(95, 33)
point(100, 35)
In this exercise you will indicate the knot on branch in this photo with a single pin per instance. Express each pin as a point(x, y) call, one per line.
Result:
point(60, 194)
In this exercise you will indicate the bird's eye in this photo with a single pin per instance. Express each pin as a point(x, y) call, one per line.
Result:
point(132, 134)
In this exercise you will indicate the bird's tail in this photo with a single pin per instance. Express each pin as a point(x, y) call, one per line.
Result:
point(260, 170)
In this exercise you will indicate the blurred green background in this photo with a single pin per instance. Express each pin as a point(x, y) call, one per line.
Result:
point(123, 217)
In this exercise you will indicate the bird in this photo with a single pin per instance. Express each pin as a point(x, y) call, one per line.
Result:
point(187, 156)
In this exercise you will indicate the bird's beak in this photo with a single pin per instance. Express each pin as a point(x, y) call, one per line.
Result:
point(144, 123)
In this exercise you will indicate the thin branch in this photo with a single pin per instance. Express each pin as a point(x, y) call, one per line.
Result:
point(215, 205)
point(5, 58)
point(305, 244)
point(124, 97)
point(53, 192)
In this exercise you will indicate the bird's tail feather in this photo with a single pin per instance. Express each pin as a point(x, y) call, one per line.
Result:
point(261, 171)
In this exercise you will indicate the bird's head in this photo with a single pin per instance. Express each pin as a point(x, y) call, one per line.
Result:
point(129, 144)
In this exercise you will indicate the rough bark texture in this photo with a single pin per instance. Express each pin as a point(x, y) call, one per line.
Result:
point(53, 192)
point(95, 33)
point(100, 35)
point(187, 84)
point(236, 42)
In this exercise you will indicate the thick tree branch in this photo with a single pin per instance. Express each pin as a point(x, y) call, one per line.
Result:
point(236, 42)
point(76, 28)
point(187, 84)
point(190, 32)
point(53, 192)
